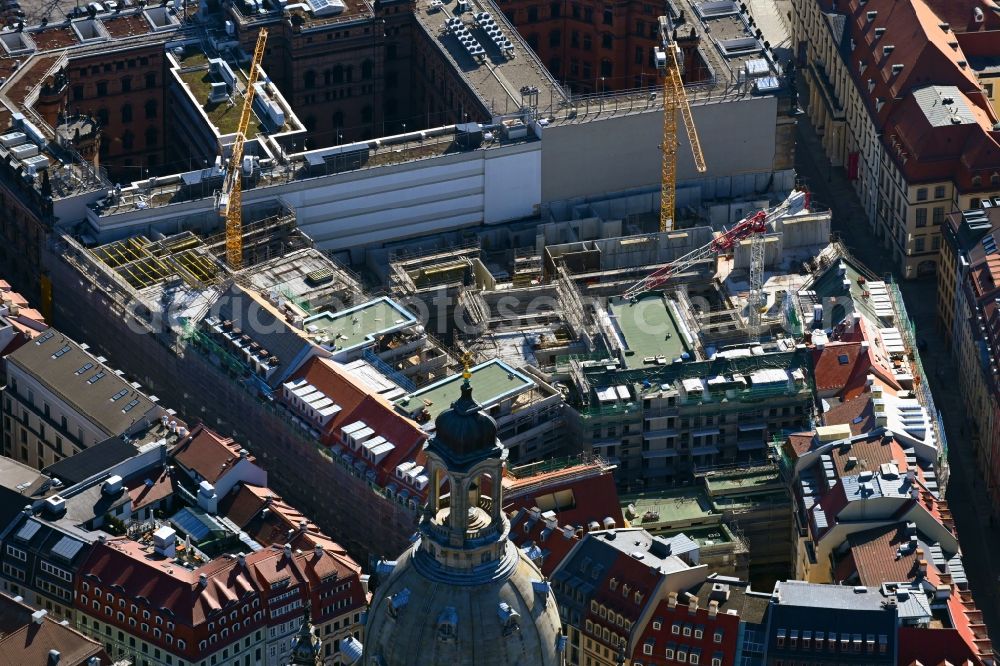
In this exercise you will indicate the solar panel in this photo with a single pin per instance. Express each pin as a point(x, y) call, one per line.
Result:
point(96, 378)
point(67, 548)
point(29, 530)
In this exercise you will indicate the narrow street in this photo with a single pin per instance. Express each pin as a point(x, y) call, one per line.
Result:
point(966, 492)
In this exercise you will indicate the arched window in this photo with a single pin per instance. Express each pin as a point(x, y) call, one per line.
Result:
point(151, 108)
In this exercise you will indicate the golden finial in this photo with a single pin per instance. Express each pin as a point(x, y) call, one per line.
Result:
point(467, 366)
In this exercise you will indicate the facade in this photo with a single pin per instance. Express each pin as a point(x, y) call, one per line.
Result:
point(674, 423)
point(908, 118)
point(968, 288)
point(61, 399)
point(490, 601)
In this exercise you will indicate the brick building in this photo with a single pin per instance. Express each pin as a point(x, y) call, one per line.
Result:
point(595, 47)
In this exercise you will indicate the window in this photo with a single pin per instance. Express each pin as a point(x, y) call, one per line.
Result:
point(919, 244)
point(607, 41)
point(586, 46)
point(939, 192)
point(532, 14)
point(77, 93)
point(717, 638)
point(574, 39)
point(152, 137)
point(687, 630)
point(657, 625)
point(128, 141)
point(554, 38)
point(151, 108)
point(555, 10)
point(151, 80)
point(921, 216)
point(126, 84)
point(938, 216)
point(126, 113)
point(102, 88)
point(676, 629)
point(606, 68)
point(366, 70)
point(609, 16)
point(922, 194)
point(639, 55)
point(647, 648)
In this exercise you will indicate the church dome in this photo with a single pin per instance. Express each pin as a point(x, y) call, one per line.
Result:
point(463, 429)
point(416, 620)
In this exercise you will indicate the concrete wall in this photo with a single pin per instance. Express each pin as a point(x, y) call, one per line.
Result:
point(737, 139)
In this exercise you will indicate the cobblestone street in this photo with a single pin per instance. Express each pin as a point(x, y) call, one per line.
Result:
point(966, 493)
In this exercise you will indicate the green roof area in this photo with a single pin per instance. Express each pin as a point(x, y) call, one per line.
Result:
point(750, 481)
point(648, 329)
point(353, 327)
point(667, 507)
point(491, 382)
point(225, 116)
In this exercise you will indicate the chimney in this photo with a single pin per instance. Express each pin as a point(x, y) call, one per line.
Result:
point(303, 525)
point(692, 604)
point(318, 550)
point(288, 550)
point(38, 617)
point(202, 580)
point(53, 657)
point(713, 608)
point(568, 531)
point(241, 559)
point(922, 564)
point(672, 600)
point(243, 454)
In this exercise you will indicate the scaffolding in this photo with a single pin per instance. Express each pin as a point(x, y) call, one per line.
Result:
point(143, 263)
point(573, 308)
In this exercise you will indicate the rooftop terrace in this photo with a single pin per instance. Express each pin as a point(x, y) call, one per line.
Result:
point(649, 331)
point(354, 327)
point(668, 508)
point(491, 381)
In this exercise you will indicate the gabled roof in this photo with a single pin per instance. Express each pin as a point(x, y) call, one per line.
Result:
point(884, 555)
point(76, 376)
point(208, 453)
point(245, 505)
point(150, 489)
point(933, 647)
point(26, 643)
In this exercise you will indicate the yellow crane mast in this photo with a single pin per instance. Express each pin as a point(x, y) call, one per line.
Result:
point(230, 202)
point(668, 61)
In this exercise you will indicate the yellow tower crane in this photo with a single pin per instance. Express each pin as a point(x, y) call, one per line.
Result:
point(230, 202)
point(668, 62)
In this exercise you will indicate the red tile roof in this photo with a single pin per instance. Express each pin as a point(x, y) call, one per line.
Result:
point(143, 494)
point(834, 364)
point(24, 643)
point(877, 557)
point(282, 523)
point(933, 647)
point(128, 568)
point(357, 403)
point(208, 453)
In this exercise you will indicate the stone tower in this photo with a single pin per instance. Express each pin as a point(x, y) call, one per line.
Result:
point(463, 594)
